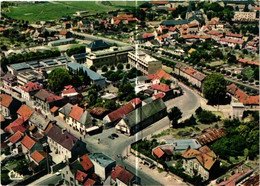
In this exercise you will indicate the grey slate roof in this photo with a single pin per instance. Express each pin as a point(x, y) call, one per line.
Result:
point(66, 109)
point(80, 56)
point(98, 45)
point(183, 144)
point(174, 22)
point(85, 119)
point(39, 120)
point(93, 75)
point(20, 66)
point(144, 112)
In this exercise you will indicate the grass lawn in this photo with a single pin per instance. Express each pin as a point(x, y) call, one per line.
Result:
point(55, 10)
point(167, 69)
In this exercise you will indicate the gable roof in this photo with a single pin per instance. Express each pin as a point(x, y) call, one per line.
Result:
point(28, 142)
point(25, 112)
point(144, 112)
point(61, 137)
point(117, 114)
point(66, 109)
point(47, 96)
point(125, 176)
point(6, 100)
point(76, 112)
point(16, 137)
point(38, 156)
point(81, 176)
point(39, 120)
point(89, 182)
point(159, 75)
point(204, 155)
point(98, 45)
point(158, 152)
point(18, 122)
point(31, 86)
point(161, 87)
point(86, 162)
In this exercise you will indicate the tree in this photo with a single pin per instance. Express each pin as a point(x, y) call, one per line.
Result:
point(125, 91)
point(174, 115)
point(120, 66)
point(58, 78)
point(112, 68)
point(110, 104)
point(104, 68)
point(93, 68)
point(127, 66)
point(231, 58)
point(214, 87)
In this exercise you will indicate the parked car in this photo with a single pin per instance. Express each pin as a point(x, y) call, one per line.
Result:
point(111, 137)
point(114, 135)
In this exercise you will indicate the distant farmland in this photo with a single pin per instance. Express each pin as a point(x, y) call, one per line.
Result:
point(55, 10)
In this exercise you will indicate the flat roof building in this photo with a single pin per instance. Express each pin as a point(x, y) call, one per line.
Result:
point(144, 62)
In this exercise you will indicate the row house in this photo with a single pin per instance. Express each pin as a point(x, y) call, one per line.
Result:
point(39, 160)
point(230, 35)
point(231, 42)
point(28, 90)
point(244, 16)
point(9, 80)
point(39, 121)
point(215, 35)
point(79, 119)
point(252, 46)
point(63, 143)
point(85, 25)
point(160, 74)
point(244, 62)
point(64, 34)
point(203, 162)
point(121, 176)
point(193, 76)
point(29, 145)
point(14, 142)
point(46, 100)
point(124, 18)
point(190, 39)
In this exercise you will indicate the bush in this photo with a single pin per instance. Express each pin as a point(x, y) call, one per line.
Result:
point(228, 73)
point(120, 66)
point(223, 71)
point(104, 68)
point(207, 117)
point(112, 68)
point(239, 76)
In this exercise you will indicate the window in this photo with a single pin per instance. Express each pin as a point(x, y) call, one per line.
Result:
point(71, 179)
point(67, 172)
point(191, 163)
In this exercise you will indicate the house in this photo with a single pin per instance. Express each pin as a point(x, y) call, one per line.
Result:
point(63, 143)
point(30, 145)
point(79, 119)
point(46, 100)
point(193, 76)
point(244, 16)
point(144, 62)
point(163, 152)
point(210, 135)
point(124, 18)
point(40, 158)
point(79, 58)
point(231, 42)
point(78, 171)
point(103, 165)
point(142, 117)
point(29, 89)
point(121, 176)
point(65, 111)
point(63, 34)
point(15, 142)
point(20, 124)
point(237, 110)
point(238, 94)
point(8, 105)
point(94, 76)
point(9, 80)
point(116, 115)
point(61, 42)
point(69, 91)
point(39, 121)
point(244, 62)
point(203, 162)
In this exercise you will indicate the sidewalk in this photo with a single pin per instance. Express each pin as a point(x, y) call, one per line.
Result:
point(164, 178)
point(38, 181)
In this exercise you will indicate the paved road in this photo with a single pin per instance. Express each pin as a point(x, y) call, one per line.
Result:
point(49, 179)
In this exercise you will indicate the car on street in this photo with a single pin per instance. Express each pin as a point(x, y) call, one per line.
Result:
point(111, 137)
point(114, 135)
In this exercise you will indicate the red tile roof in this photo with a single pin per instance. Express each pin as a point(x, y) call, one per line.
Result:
point(89, 182)
point(244, 61)
point(232, 88)
point(185, 27)
point(116, 171)
point(2, 29)
point(257, 8)
point(232, 181)
point(159, 95)
point(63, 32)
point(38, 156)
point(170, 9)
point(47, 96)
point(159, 75)
point(231, 41)
point(147, 35)
point(158, 152)
point(31, 86)
point(54, 109)
point(18, 122)
point(81, 176)
point(125, 176)
point(159, 2)
point(18, 128)
point(228, 34)
point(190, 36)
point(117, 114)
point(16, 137)
point(117, 22)
point(172, 29)
point(28, 142)
point(161, 87)
point(69, 91)
point(76, 112)
point(214, 33)
point(135, 101)
point(204, 155)
point(86, 162)
point(25, 112)
point(191, 25)
point(6, 100)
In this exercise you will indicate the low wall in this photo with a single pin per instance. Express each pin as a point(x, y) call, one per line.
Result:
point(56, 167)
point(33, 178)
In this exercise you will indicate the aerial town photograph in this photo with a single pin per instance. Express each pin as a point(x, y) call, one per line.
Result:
point(129, 93)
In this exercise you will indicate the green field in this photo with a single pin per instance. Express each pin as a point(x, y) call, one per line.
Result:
point(55, 10)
